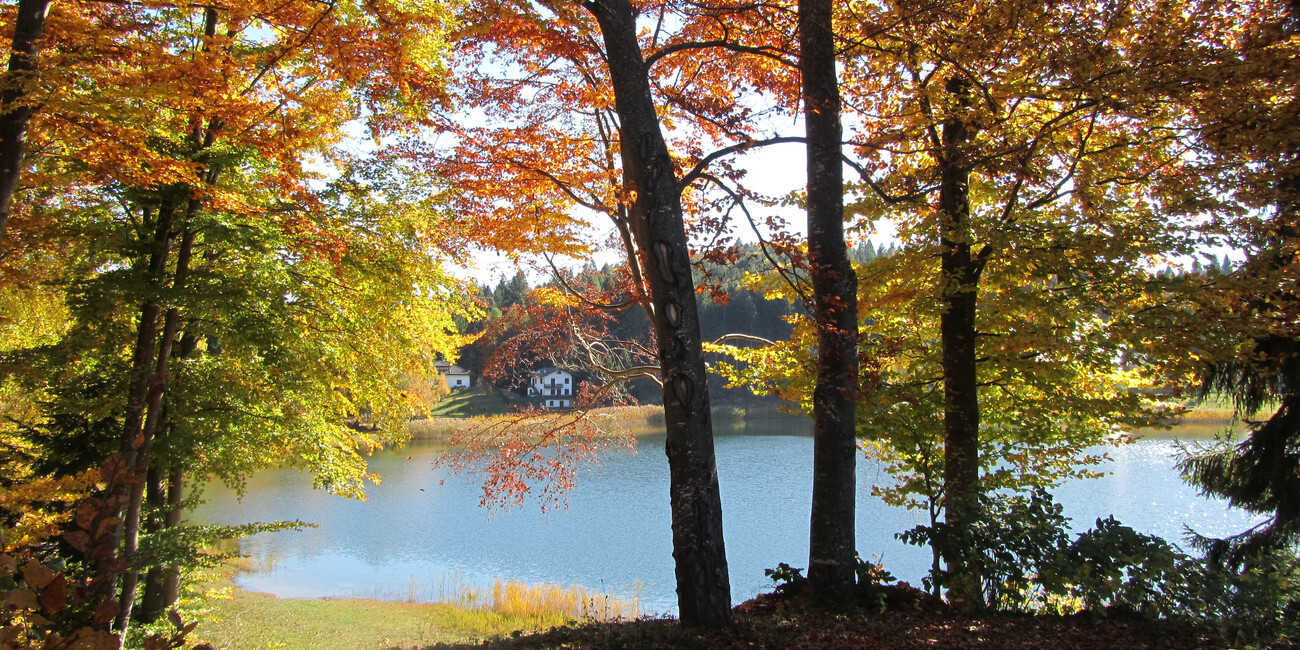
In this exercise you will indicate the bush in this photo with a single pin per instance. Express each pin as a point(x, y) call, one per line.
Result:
point(871, 581)
point(1256, 605)
point(1015, 537)
point(1113, 567)
point(789, 580)
point(1027, 564)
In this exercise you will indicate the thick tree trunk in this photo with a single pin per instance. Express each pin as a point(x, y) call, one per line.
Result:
point(162, 584)
point(15, 114)
point(958, 287)
point(126, 470)
point(703, 586)
point(831, 570)
point(151, 597)
point(152, 424)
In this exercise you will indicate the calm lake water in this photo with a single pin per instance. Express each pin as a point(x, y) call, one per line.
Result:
point(423, 528)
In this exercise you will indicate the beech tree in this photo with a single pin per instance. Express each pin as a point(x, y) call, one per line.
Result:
point(16, 107)
point(832, 544)
point(189, 151)
point(655, 214)
point(1018, 158)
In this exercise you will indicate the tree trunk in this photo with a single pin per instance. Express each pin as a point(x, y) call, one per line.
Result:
point(162, 584)
point(151, 598)
point(171, 588)
point(703, 586)
point(958, 286)
point(15, 114)
point(831, 569)
point(152, 424)
point(126, 470)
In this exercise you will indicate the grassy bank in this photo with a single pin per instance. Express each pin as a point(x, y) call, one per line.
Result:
point(235, 619)
point(256, 621)
point(469, 402)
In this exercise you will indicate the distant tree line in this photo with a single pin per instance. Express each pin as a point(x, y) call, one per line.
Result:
point(737, 300)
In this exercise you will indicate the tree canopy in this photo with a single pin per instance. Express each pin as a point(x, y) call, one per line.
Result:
point(226, 233)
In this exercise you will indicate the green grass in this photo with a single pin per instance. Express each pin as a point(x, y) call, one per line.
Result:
point(469, 402)
point(235, 619)
point(249, 620)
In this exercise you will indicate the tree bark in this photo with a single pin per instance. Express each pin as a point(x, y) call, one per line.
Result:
point(703, 586)
point(152, 424)
point(162, 584)
point(831, 556)
point(127, 470)
point(151, 598)
point(15, 114)
point(959, 290)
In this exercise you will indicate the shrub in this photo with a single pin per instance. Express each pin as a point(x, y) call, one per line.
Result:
point(1026, 563)
point(1016, 538)
point(1113, 566)
point(871, 581)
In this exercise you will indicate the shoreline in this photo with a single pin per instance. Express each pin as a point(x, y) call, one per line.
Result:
point(233, 617)
point(1201, 423)
point(636, 420)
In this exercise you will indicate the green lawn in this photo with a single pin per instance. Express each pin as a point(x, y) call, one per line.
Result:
point(234, 619)
point(467, 402)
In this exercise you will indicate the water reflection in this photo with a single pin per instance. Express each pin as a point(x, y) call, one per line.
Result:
point(423, 527)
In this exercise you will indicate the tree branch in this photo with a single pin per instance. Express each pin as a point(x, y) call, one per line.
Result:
point(698, 170)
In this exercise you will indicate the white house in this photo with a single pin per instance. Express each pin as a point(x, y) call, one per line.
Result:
point(454, 375)
point(553, 386)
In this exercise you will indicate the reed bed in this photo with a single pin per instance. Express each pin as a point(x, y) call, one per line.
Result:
point(615, 419)
point(541, 605)
point(515, 598)
point(435, 428)
point(1209, 419)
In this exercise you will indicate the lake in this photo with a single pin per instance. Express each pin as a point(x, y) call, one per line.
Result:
point(423, 529)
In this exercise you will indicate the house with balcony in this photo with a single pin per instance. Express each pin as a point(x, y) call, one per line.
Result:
point(552, 388)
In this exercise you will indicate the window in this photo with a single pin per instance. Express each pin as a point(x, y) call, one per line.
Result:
point(566, 380)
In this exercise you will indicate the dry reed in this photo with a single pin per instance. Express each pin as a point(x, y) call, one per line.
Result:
point(515, 598)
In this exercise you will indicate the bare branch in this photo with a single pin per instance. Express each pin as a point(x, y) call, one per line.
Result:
point(747, 338)
point(796, 284)
point(569, 289)
point(699, 169)
point(765, 52)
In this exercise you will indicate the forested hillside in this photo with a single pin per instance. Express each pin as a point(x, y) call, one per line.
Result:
point(737, 299)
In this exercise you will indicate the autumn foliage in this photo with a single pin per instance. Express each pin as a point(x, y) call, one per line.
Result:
point(225, 245)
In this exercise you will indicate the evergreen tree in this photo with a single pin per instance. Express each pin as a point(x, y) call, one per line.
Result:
point(1249, 142)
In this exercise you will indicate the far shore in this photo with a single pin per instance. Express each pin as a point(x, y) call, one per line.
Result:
point(616, 420)
point(1204, 421)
